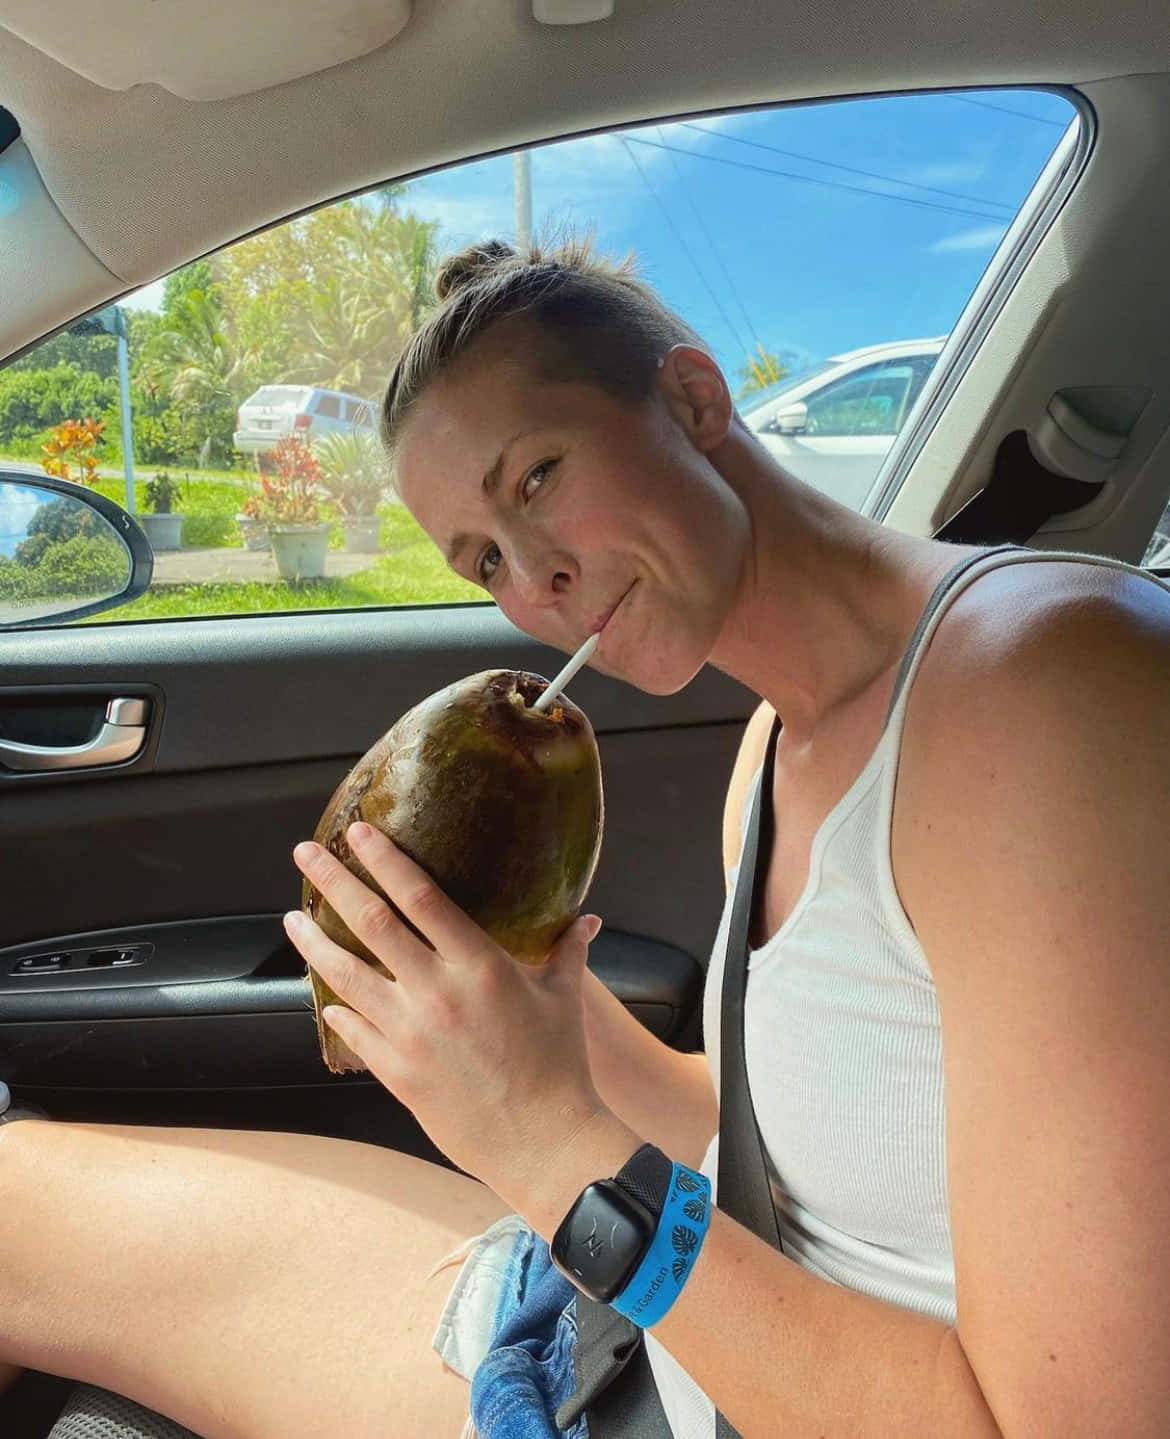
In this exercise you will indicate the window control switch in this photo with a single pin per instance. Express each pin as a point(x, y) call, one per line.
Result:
point(41, 963)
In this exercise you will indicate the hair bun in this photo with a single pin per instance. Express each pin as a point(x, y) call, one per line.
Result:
point(470, 266)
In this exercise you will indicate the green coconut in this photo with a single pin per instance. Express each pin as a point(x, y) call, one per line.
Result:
point(500, 804)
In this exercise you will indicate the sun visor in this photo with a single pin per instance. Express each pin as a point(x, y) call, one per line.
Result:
point(202, 49)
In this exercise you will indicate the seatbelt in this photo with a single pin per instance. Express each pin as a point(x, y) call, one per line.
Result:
point(744, 1191)
point(615, 1384)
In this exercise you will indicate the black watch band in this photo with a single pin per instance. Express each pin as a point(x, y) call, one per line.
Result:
point(646, 1175)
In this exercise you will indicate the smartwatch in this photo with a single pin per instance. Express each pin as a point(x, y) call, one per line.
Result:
point(603, 1239)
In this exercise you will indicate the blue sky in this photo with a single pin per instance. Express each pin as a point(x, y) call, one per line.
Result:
point(804, 251)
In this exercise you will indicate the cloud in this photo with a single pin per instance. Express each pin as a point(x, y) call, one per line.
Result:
point(985, 237)
point(466, 218)
point(948, 172)
point(576, 185)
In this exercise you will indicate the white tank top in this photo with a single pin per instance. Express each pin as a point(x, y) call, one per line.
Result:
point(843, 1046)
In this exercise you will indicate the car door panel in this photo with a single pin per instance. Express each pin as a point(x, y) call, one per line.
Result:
point(269, 688)
point(182, 856)
point(257, 1030)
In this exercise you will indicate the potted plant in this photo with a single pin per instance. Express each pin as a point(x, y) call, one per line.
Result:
point(353, 476)
point(289, 504)
point(252, 524)
point(163, 527)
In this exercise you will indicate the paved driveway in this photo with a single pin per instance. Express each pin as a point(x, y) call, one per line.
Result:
point(222, 565)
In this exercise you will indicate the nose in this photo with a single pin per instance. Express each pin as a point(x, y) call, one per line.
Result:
point(542, 576)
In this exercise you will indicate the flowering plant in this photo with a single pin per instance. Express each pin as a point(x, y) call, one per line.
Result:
point(73, 442)
point(290, 495)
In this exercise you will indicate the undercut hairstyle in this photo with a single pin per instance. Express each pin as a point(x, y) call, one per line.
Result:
point(586, 319)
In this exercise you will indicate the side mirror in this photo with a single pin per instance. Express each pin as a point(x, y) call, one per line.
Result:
point(65, 552)
point(789, 419)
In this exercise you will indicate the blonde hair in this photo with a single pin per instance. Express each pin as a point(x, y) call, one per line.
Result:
point(591, 321)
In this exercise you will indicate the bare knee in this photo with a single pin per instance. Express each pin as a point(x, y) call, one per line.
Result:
point(211, 1274)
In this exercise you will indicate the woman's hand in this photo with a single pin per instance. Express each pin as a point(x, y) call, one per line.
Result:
point(489, 1054)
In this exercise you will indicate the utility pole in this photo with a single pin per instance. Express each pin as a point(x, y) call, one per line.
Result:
point(112, 321)
point(127, 423)
point(522, 162)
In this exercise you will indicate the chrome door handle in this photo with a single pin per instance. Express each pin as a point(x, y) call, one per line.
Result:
point(121, 736)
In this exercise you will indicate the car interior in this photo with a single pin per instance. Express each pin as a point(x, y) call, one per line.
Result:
point(137, 138)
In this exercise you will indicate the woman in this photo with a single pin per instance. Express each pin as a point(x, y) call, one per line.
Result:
point(959, 1008)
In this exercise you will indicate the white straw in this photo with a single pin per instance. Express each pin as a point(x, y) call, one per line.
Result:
point(579, 659)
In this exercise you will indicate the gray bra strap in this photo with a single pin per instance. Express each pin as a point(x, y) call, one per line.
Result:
point(939, 593)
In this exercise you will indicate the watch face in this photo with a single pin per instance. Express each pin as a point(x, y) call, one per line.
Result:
point(602, 1240)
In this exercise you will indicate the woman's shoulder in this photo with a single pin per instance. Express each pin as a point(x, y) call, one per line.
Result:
point(1037, 725)
point(1022, 629)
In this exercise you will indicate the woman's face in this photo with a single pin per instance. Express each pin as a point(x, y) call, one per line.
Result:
point(580, 513)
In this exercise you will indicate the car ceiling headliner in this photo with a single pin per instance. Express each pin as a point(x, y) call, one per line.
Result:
point(148, 180)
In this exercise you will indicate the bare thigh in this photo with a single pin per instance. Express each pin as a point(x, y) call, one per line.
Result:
point(246, 1284)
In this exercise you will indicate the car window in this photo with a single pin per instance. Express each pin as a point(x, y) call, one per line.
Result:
point(278, 396)
point(1157, 555)
point(788, 237)
point(763, 398)
point(873, 401)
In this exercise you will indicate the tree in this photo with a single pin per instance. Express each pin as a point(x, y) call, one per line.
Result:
point(331, 299)
point(194, 359)
point(95, 353)
point(763, 368)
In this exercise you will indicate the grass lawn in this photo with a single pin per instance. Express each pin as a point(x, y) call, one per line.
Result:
point(409, 572)
point(412, 573)
point(209, 504)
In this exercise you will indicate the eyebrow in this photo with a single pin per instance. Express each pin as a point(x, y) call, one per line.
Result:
point(491, 483)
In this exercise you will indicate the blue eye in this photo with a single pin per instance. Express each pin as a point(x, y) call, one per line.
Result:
point(490, 557)
point(540, 474)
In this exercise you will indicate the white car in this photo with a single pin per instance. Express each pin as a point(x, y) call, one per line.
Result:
point(832, 425)
point(277, 411)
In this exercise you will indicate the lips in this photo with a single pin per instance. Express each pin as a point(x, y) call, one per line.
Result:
point(600, 624)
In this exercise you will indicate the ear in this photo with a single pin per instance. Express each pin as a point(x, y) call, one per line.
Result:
point(697, 394)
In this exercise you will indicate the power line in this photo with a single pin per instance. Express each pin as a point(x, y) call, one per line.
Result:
point(1003, 110)
point(816, 180)
point(683, 244)
point(851, 169)
point(714, 248)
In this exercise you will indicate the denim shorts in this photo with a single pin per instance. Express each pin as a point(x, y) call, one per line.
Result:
point(510, 1326)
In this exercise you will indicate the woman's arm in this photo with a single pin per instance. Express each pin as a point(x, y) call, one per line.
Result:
point(662, 1094)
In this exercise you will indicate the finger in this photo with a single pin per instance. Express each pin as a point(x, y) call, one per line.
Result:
point(358, 1034)
point(350, 978)
point(367, 914)
point(570, 955)
point(454, 934)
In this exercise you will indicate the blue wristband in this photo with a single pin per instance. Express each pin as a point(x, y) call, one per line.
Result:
point(664, 1270)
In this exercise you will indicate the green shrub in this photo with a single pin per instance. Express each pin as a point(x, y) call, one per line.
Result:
point(33, 400)
point(159, 439)
point(82, 566)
